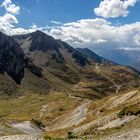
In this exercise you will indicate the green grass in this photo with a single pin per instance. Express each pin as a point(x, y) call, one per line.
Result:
point(130, 110)
point(50, 138)
point(28, 107)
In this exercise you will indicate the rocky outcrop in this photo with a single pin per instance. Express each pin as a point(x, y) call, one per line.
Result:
point(13, 60)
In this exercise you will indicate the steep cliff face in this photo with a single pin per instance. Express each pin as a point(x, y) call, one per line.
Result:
point(11, 58)
point(16, 69)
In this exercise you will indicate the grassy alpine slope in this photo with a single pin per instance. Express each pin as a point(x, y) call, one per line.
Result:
point(62, 93)
point(61, 113)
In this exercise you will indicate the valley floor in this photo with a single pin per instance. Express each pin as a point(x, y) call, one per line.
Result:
point(62, 115)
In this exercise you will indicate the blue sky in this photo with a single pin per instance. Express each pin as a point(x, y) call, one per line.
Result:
point(97, 24)
point(42, 12)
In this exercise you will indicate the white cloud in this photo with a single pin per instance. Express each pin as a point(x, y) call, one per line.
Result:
point(90, 33)
point(56, 22)
point(10, 7)
point(8, 20)
point(6, 2)
point(114, 8)
point(137, 39)
point(7, 23)
point(98, 32)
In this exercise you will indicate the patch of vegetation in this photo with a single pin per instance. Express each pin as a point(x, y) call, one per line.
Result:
point(71, 135)
point(50, 138)
point(37, 123)
point(131, 110)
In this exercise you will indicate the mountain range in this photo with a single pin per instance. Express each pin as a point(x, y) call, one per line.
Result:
point(36, 59)
point(59, 89)
point(121, 56)
point(93, 56)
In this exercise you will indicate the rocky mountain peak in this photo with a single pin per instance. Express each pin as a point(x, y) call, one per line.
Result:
point(52, 48)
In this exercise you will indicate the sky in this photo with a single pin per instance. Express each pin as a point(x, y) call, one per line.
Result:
point(111, 24)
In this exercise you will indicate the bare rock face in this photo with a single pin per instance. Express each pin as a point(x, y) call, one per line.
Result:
point(13, 60)
point(38, 42)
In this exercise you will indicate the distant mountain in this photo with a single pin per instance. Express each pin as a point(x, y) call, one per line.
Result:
point(120, 56)
point(64, 67)
point(46, 84)
point(93, 56)
point(136, 66)
point(37, 63)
